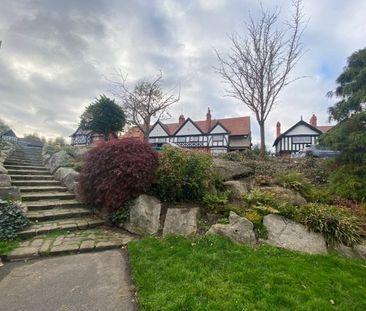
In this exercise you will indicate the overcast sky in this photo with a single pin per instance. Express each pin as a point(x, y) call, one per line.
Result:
point(56, 55)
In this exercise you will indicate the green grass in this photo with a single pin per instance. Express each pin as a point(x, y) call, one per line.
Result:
point(7, 246)
point(212, 273)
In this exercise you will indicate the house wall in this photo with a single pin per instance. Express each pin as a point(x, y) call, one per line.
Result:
point(302, 130)
point(158, 131)
point(239, 141)
point(188, 129)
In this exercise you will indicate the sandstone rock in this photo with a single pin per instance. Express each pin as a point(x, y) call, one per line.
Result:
point(144, 216)
point(68, 176)
point(239, 230)
point(237, 188)
point(181, 221)
point(286, 195)
point(3, 170)
point(57, 160)
point(288, 234)
point(5, 180)
point(10, 193)
point(361, 250)
point(45, 158)
point(230, 170)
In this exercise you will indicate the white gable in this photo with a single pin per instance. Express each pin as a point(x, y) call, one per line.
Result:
point(188, 129)
point(218, 130)
point(302, 130)
point(158, 131)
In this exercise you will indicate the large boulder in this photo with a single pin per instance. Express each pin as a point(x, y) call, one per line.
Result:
point(237, 188)
point(57, 160)
point(230, 170)
point(286, 233)
point(181, 221)
point(286, 195)
point(239, 230)
point(357, 251)
point(144, 216)
point(3, 170)
point(5, 180)
point(68, 176)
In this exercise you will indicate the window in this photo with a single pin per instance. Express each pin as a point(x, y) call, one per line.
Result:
point(194, 138)
point(151, 140)
point(181, 139)
point(161, 140)
point(217, 138)
point(301, 140)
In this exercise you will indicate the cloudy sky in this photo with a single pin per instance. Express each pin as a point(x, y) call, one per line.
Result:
point(57, 56)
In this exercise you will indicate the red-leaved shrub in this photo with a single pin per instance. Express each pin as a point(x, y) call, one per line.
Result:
point(117, 171)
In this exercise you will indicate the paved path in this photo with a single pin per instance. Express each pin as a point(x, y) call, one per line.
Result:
point(93, 281)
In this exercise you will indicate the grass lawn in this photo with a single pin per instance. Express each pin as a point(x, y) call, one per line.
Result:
point(212, 273)
point(7, 246)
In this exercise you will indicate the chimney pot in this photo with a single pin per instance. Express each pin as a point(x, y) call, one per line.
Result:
point(181, 119)
point(314, 120)
point(278, 129)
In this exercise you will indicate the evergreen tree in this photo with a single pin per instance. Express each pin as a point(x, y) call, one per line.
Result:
point(103, 116)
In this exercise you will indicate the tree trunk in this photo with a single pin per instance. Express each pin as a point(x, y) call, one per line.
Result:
point(146, 130)
point(263, 137)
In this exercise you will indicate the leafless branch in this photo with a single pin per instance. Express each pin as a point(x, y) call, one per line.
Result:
point(257, 67)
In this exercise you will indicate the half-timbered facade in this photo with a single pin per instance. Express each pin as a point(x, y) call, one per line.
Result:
point(214, 135)
point(85, 137)
point(298, 136)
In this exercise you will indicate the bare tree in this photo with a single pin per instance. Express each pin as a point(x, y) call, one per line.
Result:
point(146, 101)
point(257, 67)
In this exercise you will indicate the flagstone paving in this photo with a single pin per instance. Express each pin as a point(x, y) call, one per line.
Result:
point(62, 242)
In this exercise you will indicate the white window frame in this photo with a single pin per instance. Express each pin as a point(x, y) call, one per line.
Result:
point(181, 139)
point(218, 138)
point(194, 138)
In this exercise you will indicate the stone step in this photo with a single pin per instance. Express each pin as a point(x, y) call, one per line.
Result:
point(90, 240)
point(25, 189)
point(31, 177)
point(25, 167)
point(62, 224)
point(58, 213)
point(29, 183)
point(28, 172)
point(52, 204)
point(35, 196)
point(11, 162)
point(25, 159)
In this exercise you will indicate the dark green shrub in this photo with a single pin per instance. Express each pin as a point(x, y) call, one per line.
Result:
point(183, 175)
point(122, 215)
point(12, 220)
point(215, 202)
point(295, 181)
point(337, 225)
point(349, 181)
point(259, 197)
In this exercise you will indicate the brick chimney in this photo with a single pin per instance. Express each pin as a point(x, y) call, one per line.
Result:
point(181, 119)
point(278, 129)
point(314, 120)
point(208, 119)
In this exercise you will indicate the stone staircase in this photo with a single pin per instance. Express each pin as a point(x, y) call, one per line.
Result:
point(51, 206)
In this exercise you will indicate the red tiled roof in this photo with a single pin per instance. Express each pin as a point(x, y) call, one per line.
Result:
point(133, 132)
point(236, 126)
point(324, 128)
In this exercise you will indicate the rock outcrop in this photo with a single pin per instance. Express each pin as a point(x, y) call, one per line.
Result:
point(239, 230)
point(286, 195)
point(57, 160)
point(231, 170)
point(237, 188)
point(181, 221)
point(286, 233)
point(144, 216)
point(68, 176)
